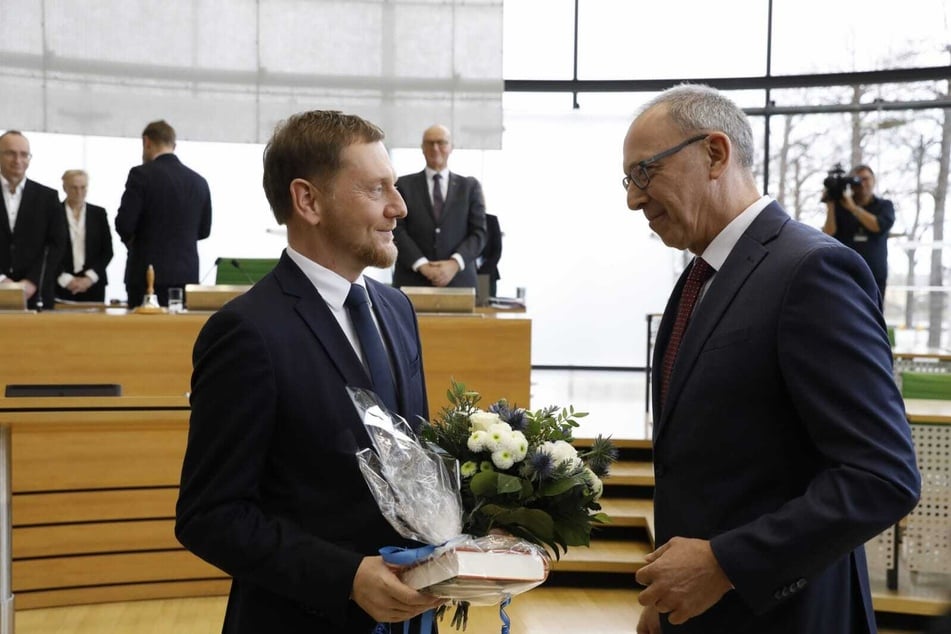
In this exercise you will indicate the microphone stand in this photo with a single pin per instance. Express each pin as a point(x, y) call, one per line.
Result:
point(39, 290)
point(237, 265)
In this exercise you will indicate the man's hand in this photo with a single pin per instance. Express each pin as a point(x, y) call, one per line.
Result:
point(29, 288)
point(440, 272)
point(79, 284)
point(383, 596)
point(649, 623)
point(683, 579)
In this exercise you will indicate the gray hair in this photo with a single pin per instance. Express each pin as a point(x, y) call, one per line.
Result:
point(695, 107)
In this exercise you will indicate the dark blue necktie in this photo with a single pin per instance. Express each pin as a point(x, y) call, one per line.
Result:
point(374, 354)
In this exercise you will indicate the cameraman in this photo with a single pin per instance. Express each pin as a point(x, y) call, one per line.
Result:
point(861, 220)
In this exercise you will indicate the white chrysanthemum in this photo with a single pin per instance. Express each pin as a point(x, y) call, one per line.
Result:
point(562, 452)
point(469, 469)
point(594, 483)
point(486, 465)
point(482, 421)
point(503, 458)
point(477, 441)
point(499, 434)
point(517, 444)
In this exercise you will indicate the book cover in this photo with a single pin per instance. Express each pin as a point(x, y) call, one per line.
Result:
point(476, 569)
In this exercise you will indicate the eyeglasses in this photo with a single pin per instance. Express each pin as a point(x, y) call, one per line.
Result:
point(12, 154)
point(639, 174)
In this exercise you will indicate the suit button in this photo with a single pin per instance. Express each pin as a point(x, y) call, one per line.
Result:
point(778, 595)
point(801, 584)
point(438, 230)
point(659, 470)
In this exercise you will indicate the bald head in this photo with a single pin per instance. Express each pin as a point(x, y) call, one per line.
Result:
point(437, 146)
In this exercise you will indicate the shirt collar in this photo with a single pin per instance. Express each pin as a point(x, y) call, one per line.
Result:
point(6, 185)
point(333, 288)
point(719, 249)
point(443, 172)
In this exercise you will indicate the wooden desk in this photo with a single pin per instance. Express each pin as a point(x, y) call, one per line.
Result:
point(150, 355)
point(920, 410)
point(88, 485)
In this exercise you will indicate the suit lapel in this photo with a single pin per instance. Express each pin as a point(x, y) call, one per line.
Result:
point(313, 310)
point(26, 203)
point(5, 219)
point(746, 255)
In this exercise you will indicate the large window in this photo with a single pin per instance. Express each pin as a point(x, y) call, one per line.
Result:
point(591, 268)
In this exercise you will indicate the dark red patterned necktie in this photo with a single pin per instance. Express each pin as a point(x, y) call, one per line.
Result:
point(438, 201)
point(700, 272)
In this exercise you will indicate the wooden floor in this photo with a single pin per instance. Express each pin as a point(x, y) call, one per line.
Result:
point(541, 611)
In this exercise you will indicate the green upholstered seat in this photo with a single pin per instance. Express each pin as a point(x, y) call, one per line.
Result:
point(243, 271)
point(930, 385)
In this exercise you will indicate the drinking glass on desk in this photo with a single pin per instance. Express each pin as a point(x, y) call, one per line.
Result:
point(176, 300)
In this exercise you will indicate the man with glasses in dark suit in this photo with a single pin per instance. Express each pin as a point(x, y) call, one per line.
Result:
point(444, 230)
point(780, 442)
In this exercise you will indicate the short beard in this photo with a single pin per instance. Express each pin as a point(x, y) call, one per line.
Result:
point(382, 258)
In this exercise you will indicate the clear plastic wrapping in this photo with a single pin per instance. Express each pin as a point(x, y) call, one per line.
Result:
point(417, 491)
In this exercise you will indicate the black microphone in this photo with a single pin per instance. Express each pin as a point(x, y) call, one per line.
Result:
point(237, 265)
point(39, 290)
point(208, 272)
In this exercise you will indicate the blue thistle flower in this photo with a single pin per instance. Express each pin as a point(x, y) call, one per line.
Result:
point(518, 420)
point(542, 464)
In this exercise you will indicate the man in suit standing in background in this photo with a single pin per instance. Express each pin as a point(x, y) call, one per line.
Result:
point(32, 233)
point(82, 271)
point(780, 439)
point(271, 491)
point(444, 230)
point(165, 211)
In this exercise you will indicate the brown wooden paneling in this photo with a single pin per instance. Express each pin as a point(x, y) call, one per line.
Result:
point(491, 355)
point(149, 355)
point(129, 592)
point(97, 537)
point(98, 570)
point(98, 457)
point(89, 506)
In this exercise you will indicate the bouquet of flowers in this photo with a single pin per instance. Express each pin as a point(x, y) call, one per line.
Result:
point(522, 488)
point(520, 472)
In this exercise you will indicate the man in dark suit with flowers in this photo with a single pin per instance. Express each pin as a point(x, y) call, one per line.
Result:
point(271, 491)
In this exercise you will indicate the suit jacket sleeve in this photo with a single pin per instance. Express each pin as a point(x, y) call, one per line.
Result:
point(836, 366)
point(204, 227)
point(99, 259)
point(471, 246)
point(408, 251)
point(130, 208)
point(54, 242)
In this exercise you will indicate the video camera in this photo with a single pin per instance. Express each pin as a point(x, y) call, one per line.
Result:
point(836, 182)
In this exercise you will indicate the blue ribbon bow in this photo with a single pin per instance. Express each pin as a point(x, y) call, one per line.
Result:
point(396, 556)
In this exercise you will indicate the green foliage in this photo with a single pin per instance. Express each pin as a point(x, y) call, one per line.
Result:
point(541, 489)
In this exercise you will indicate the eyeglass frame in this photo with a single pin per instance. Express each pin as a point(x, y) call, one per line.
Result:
point(641, 166)
point(13, 154)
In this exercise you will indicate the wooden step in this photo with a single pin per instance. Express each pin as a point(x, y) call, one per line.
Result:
point(630, 512)
point(630, 473)
point(604, 556)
